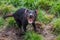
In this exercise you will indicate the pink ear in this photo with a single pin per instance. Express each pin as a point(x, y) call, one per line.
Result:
point(36, 11)
point(26, 11)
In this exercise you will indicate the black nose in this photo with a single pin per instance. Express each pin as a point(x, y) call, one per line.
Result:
point(31, 16)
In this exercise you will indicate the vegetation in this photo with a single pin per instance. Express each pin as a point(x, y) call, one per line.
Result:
point(33, 36)
point(56, 24)
point(58, 38)
point(1, 22)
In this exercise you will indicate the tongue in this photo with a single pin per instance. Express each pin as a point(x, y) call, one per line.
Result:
point(30, 21)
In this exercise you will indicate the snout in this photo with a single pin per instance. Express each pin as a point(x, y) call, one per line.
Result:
point(31, 16)
point(30, 19)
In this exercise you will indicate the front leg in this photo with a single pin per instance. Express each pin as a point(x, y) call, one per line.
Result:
point(24, 27)
point(24, 24)
point(34, 26)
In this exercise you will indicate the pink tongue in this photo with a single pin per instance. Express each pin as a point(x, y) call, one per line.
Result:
point(30, 21)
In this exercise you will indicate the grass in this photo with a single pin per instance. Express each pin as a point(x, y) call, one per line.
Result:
point(11, 22)
point(56, 25)
point(30, 35)
point(58, 38)
point(44, 17)
point(1, 21)
point(5, 9)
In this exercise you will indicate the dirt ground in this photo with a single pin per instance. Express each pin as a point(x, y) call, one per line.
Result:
point(10, 34)
point(13, 33)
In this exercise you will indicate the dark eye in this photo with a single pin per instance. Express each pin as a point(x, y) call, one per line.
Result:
point(35, 11)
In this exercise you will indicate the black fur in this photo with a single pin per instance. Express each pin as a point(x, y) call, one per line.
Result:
point(21, 20)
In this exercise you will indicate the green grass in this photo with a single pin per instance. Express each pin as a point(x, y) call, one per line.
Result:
point(55, 9)
point(56, 25)
point(5, 9)
point(43, 17)
point(58, 38)
point(11, 22)
point(1, 21)
point(30, 35)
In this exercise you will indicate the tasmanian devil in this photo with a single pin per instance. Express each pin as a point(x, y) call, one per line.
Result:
point(23, 17)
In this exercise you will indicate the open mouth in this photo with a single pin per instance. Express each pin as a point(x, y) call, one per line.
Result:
point(30, 21)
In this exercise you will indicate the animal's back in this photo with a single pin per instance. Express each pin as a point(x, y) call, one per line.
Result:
point(19, 13)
